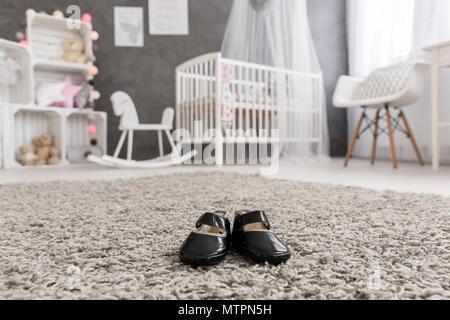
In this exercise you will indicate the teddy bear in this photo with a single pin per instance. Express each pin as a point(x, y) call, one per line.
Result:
point(53, 157)
point(45, 151)
point(73, 51)
point(27, 156)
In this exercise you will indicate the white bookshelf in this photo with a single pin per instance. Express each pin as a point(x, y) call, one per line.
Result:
point(21, 119)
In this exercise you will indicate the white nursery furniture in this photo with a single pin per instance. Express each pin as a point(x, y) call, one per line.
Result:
point(440, 59)
point(21, 119)
point(215, 94)
point(385, 89)
point(124, 108)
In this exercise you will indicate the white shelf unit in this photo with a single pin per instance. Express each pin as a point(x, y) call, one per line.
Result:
point(45, 34)
point(22, 91)
point(20, 119)
point(68, 126)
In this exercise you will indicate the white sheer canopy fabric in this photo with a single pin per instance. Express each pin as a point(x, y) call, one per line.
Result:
point(275, 33)
point(384, 32)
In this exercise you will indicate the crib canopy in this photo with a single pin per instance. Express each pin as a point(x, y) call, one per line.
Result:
point(276, 33)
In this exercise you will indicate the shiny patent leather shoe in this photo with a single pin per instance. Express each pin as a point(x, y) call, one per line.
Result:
point(252, 237)
point(209, 244)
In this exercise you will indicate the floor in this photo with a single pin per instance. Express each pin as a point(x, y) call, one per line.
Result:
point(408, 178)
point(121, 239)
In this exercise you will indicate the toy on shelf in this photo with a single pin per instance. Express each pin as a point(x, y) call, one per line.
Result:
point(49, 93)
point(83, 98)
point(46, 152)
point(73, 51)
point(69, 91)
point(27, 155)
point(41, 153)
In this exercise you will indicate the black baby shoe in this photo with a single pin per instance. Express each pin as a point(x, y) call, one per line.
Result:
point(209, 244)
point(253, 238)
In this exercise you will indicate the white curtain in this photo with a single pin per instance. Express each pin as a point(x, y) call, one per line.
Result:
point(383, 32)
point(275, 33)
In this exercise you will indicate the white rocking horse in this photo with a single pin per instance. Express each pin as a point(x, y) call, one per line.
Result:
point(124, 107)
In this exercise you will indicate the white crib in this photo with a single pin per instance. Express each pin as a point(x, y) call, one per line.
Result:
point(215, 93)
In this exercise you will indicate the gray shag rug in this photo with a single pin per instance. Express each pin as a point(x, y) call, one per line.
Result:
point(119, 240)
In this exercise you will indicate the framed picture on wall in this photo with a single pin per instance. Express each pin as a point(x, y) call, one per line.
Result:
point(168, 17)
point(128, 26)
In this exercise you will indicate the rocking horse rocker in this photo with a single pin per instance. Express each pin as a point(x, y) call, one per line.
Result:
point(124, 107)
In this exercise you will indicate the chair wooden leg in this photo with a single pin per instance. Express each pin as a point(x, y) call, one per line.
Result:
point(391, 137)
point(355, 137)
point(375, 137)
point(413, 140)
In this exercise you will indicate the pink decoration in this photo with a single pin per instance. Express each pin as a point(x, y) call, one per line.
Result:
point(30, 11)
point(24, 43)
point(91, 129)
point(227, 73)
point(86, 17)
point(227, 113)
point(69, 92)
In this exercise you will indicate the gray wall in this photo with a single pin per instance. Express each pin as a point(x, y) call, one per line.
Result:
point(327, 19)
point(147, 74)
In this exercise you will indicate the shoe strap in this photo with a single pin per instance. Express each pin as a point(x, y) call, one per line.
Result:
point(211, 219)
point(254, 217)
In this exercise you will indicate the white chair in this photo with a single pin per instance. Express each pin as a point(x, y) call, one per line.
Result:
point(347, 95)
point(124, 108)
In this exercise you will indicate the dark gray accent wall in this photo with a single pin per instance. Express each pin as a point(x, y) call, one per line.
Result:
point(147, 73)
point(327, 19)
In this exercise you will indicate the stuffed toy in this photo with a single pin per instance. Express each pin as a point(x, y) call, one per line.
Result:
point(50, 93)
point(73, 51)
point(27, 156)
point(54, 156)
point(69, 91)
point(83, 98)
point(45, 152)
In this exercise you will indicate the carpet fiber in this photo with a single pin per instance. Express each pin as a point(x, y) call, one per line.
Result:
point(119, 240)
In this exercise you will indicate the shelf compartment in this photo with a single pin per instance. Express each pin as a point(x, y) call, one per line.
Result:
point(77, 136)
point(23, 124)
point(22, 91)
point(45, 34)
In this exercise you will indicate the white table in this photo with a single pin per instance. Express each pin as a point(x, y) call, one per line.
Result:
point(441, 59)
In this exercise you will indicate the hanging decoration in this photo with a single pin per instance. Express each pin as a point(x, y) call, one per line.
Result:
point(91, 129)
point(58, 14)
point(94, 35)
point(86, 17)
point(20, 35)
point(93, 70)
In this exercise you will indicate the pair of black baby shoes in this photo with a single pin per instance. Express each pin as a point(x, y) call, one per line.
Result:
point(210, 242)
